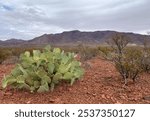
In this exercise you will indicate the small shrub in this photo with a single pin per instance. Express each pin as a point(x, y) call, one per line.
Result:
point(11, 60)
point(4, 54)
point(86, 52)
point(145, 63)
point(129, 64)
point(105, 52)
point(127, 60)
point(42, 70)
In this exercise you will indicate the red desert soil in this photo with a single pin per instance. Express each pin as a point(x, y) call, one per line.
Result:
point(101, 84)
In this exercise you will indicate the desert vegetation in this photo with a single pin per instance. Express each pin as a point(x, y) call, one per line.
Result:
point(115, 67)
point(129, 61)
point(40, 71)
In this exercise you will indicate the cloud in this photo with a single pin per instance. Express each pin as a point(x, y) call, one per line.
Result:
point(26, 19)
point(7, 8)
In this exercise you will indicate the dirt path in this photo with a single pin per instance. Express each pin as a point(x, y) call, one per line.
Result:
point(101, 84)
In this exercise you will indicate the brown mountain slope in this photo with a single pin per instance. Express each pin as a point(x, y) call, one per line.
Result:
point(73, 37)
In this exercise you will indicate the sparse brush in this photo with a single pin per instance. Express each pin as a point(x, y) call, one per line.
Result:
point(86, 52)
point(4, 54)
point(105, 52)
point(145, 63)
point(129, 64)
point(127, 60)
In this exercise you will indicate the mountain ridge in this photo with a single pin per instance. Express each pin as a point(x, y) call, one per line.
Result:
point(73, 38)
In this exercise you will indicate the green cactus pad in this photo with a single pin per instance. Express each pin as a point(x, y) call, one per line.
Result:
point(42, 70)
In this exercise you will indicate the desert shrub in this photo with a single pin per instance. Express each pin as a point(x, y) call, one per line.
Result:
point(4, 54)
point(86, 52)
point(105, 52)
point(16, 51)
point(11, 60)
point(127, 60)
point(145, 63)
point(42, 70)
point(8, 53)
point(129, 64)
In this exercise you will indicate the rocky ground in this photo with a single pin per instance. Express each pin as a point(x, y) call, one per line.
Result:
point(101, 84)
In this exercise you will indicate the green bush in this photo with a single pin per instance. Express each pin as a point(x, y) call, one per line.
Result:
point(42, 70)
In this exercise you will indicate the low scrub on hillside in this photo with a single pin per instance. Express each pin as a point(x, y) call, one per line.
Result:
point(7, 53)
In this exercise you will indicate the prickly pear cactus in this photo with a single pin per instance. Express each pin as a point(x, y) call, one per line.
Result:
point(42, 70)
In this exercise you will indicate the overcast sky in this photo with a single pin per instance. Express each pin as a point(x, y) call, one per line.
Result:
point(26, 19)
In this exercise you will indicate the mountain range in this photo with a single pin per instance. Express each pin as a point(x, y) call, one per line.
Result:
point(73, 38)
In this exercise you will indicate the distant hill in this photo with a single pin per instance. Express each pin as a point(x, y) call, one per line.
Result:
point(73, 38)
point(12, 42)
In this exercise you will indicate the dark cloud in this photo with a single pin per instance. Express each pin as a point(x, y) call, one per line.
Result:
point(8, 8)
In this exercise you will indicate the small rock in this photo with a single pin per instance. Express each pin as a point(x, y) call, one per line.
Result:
point(84, 88)
point(56, 100)
point(146, 98)
point(69, 89)
point(8, 94)
point(94, 94)
point(88, 93)
point(118, 102)
point(51, 101)
point(103, 96)
point(28, 102)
